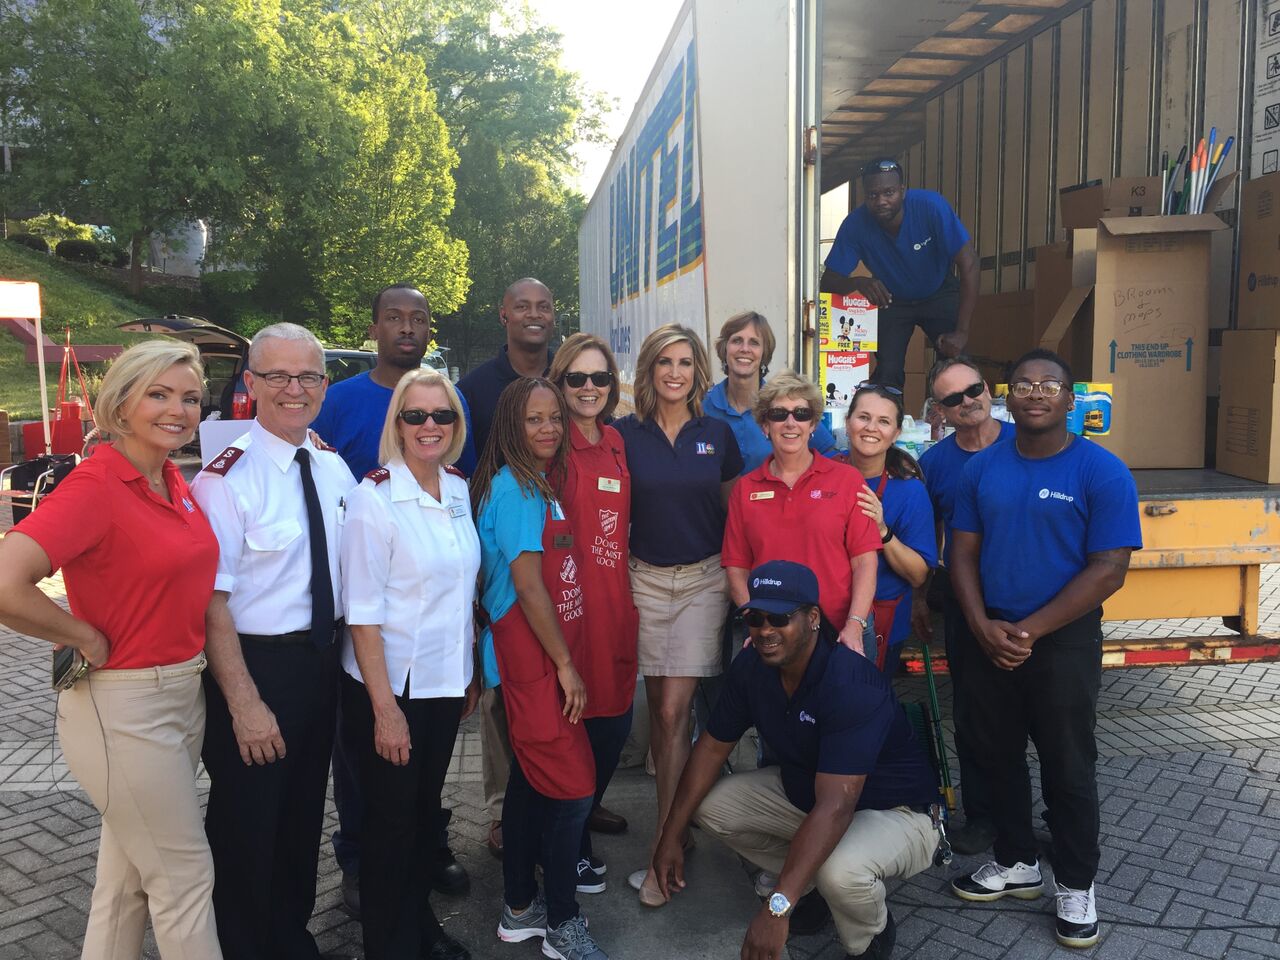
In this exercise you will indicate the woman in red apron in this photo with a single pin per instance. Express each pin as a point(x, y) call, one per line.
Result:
point(531, 569)
point(898, 503)
point(597, 500)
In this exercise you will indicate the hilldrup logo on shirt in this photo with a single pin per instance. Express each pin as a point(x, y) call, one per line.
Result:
point(1047, 494)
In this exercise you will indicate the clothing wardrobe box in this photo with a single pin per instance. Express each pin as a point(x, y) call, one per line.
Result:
point(1258, 295)
point(1248, 424)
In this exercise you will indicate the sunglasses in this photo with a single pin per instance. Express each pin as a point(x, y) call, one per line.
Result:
point(758, 618)
point(1024, 388)
point(416, 418)
point(601, 378)
point(973, 392)
point(881, 166)
point(780, 414)
point(872, 385)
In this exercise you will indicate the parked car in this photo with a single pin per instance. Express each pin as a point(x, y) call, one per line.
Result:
point(225, 356)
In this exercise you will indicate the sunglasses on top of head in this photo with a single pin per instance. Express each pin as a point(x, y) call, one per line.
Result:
point(601, 378)
point(758, 618)
point(973, 392)
point(416, 418)
point(780, 414)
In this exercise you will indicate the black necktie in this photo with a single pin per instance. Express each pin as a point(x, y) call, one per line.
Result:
point(321, 584)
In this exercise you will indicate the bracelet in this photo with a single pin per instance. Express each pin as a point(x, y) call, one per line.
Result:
point(861, 621)
point(887, 537)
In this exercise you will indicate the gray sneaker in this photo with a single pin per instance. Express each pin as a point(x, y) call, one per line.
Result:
point(570, 941)
point(515, 927)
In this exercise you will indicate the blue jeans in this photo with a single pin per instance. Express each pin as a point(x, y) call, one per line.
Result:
point(538, 829)
point(608, 735)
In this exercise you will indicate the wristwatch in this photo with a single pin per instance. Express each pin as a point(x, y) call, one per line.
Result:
point(779, 905)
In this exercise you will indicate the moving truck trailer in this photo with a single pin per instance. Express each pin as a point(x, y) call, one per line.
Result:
point(740, 160)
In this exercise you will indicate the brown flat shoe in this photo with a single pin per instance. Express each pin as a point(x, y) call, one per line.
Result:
point(603, 820)
point(494, 840)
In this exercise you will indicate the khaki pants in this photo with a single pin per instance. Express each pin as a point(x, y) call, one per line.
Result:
point(495, 751)
point(752, 815)
point(132, 739)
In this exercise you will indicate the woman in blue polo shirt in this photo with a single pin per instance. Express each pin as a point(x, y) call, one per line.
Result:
point(745, 348)
point(530, 567)
point(683, 465)
point(898, 503)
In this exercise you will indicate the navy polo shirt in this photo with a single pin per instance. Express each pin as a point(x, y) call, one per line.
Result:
point(914, 264)
point(484, 385)
point(843, 719)
point(677, 516)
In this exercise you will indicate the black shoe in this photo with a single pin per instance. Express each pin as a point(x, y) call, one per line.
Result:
point(973, 837)
point(606, 821)
point(810, 915)
point(446, 948)
point(448, 876)
point(881, 945)
point(351, 895)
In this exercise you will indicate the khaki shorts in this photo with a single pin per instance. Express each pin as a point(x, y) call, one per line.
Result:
point(682, 611)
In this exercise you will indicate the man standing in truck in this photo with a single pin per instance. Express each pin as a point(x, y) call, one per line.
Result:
point(909, 240)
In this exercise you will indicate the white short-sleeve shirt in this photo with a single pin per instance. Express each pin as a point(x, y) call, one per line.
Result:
point(409, 565)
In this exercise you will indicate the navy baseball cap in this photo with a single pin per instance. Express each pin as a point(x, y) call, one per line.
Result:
point(781, 586)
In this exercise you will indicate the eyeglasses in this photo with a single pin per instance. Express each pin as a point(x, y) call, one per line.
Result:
point(601, 378)
point(758, 618)
point(276, 378)
point(780, 414)
point(1024, 388)
point(973, 391)
point(416, 418)
point(872, 385)
point(881, 166)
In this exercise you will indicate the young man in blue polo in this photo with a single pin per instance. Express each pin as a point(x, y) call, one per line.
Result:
point(910, 240)
point(1044, 525)
point(847, 805)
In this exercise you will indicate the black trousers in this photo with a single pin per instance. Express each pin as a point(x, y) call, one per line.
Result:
point(935, 315)
point(962, 648)
point(264, 822)
point(1053, 699)
point(399, 833)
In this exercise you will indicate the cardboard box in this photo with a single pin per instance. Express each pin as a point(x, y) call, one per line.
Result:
point(842, 371)
point(1258, 296)
point(1084, 204)
point(1248, 427)
point(1149, 333)
point(1003, 329)
point(846, 322)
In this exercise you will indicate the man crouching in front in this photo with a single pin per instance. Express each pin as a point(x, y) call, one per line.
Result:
point(847, 805)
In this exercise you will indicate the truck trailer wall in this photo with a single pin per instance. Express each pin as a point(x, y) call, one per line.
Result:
point(690, 222)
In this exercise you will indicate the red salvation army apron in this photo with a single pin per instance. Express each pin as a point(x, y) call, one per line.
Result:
point(884, 610)
point(554, 754)
point(600, 512)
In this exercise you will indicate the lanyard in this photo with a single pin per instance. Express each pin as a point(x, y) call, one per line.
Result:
point(880, 487)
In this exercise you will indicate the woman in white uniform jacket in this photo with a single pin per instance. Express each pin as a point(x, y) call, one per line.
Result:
point(410, 555)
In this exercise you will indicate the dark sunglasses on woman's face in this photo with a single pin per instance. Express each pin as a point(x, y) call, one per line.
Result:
point(416, 418)
point(758, 618)
point(601, 378)
point(973, 392)
point(780, 414)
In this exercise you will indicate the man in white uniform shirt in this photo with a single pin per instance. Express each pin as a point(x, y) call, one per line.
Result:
point(276, 503)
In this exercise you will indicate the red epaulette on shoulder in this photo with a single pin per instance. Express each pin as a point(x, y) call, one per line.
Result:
point(450, 468)
point(224, 461)
point(379, 475)
point(321, 445)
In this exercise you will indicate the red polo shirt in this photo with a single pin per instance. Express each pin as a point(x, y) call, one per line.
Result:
point(817, 523)
point(138, 569)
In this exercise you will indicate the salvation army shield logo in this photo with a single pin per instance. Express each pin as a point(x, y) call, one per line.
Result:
point(608, 522)
point(569, 571)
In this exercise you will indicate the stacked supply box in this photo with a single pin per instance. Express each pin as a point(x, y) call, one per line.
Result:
point(847, 331)
point(1258, 295)
point(1248, 425)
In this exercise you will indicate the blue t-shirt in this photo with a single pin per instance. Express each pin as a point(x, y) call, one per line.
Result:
point(677, 516)
point(909, 514)
point(942, 465)
point(843, 719)
point(1040, 519)
point(511, 522)
point(351, 420)
point(915, 263)
point(752, 443)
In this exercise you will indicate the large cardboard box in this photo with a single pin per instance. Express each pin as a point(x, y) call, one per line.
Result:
point(1084, 204)
point(1149, 332)
point(1003, 329)
point(1248, 426)
point(1258, 296)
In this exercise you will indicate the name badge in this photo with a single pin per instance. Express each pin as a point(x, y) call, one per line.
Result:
point(763, 495)
point(609, 484)
point(457, 509)
point(562, 541)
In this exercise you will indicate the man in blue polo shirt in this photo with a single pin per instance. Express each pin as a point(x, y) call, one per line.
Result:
point(847, 805)
point(351, 421)
point(910, 240)
point(1044, 526)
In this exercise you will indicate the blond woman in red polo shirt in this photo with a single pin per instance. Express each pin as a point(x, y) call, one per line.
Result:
point(138, 559)
point(802, 507)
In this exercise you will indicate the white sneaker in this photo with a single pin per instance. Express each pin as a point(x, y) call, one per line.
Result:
point(765, 882)
point(991, 881)
point(1077, 924)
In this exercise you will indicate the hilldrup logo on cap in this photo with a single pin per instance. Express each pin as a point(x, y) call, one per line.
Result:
point(767, 581)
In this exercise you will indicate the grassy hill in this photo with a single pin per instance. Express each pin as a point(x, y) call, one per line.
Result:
point(92, 311)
